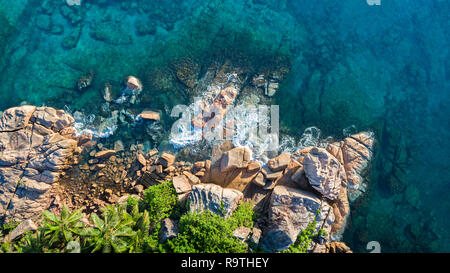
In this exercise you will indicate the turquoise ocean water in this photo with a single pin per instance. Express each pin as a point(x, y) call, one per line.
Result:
point(351, 66)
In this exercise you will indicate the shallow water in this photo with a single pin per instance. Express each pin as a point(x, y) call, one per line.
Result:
point(352, 67)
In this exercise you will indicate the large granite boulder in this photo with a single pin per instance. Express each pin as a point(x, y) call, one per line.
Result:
point(36, 144)
point(214, 198)
point(354, 153)
point(341, 209)
point(357, 153)
point(290, 211)
point(280, 162)
point(233, 169)
point(324, 172)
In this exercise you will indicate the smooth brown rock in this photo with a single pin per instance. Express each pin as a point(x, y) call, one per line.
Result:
point(152, 153)
point(181, 184)
point(357, 153)
point(338, 247)
point(269, 175)
point(149, 115)
point(230, 170)
point(236, 158)
point(253, 166)
point(16, 118)
point(105, 154)
point(192, 178)
point(280, 162)
point(341, 211)
point(141, 159)
point(259, 180)
point(167, 159)
point(199, 164)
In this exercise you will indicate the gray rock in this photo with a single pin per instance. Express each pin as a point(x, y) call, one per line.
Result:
point(242, 233)
point(25, 226)
point(169, 230)
point(290, 211)
point(256, 236)
point(211, 197)
point(324, 172)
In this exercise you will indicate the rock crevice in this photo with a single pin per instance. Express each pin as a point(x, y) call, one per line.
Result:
point(36, 145)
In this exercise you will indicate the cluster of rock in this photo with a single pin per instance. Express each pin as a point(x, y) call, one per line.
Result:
point(36, 145)
point(221, 94)
point(290, 191)
point(270, 85)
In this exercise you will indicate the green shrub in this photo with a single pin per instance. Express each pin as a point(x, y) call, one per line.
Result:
point(305, 238)
point(243, 216)
point(135, 227)
point(160, 202)
point(206, 232)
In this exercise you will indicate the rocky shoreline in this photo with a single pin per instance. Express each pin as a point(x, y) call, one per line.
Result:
point(44, 165)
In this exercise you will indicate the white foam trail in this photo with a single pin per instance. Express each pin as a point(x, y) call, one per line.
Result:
point(85, 125)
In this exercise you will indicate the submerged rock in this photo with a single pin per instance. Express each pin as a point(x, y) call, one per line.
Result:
point(107, 92)
point(85, 81)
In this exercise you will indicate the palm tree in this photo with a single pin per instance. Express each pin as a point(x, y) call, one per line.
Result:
point(114, 232)
point(141, 227)
point(60, 229)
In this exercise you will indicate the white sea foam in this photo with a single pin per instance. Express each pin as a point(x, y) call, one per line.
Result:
point(87, 125)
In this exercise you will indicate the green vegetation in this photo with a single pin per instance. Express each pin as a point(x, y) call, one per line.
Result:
point(305, 238)
point(207, 232)
point(160, 202)
point(135, 227)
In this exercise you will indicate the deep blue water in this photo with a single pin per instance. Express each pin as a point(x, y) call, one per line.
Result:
point(383, 68)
